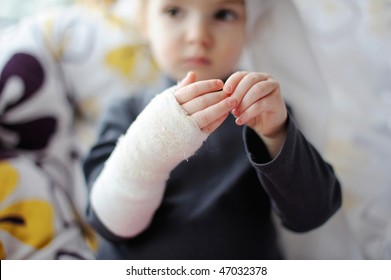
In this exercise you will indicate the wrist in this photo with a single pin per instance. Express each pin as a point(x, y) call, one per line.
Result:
point(274, 141)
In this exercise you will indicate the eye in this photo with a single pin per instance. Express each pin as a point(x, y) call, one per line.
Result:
point(225, 15)
point(173, 11)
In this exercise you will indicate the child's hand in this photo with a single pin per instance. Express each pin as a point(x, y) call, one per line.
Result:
point(260, 106)
point(204, 101)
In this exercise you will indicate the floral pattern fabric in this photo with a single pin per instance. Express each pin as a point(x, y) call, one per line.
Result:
point(57, 70)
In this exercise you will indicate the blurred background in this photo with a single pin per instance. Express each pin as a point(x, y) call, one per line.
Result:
point(11, 11)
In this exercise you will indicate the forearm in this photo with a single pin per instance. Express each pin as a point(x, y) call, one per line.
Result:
point(274, 143)
point(303, 187)
point(131, 186)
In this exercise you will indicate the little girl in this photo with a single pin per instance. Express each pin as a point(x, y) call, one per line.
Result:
point(193, 170)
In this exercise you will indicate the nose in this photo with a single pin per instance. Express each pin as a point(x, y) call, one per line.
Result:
point(199, 32)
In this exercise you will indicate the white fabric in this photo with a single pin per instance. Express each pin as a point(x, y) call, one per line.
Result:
point(351, 43)
point(332, 58)
point(130, 187)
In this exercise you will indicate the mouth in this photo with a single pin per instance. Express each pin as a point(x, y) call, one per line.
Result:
point(197, 61)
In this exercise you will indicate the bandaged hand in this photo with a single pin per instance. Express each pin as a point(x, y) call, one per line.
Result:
point(260, 106)
point(169, 130)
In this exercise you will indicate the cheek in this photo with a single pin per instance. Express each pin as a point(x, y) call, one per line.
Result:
point(236, 49)
point(231, 54)
point(230, 46)
point(163, 43)
point(167, 58)
point(164, 55)
point(160, 46)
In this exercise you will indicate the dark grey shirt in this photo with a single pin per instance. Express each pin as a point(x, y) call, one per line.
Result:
point(217, 205)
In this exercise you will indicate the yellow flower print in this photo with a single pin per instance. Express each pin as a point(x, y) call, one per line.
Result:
point(123, 59)
point(126, 58)
point(8, 180)
point(30, 221)
point(2, 252)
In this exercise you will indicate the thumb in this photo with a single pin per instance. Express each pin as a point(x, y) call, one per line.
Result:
point(187, 80)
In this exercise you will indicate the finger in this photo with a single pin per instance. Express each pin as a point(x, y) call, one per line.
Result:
point(187, 80)
point(201, 102)
point(214, 125)
point(211, 114)
point(264, 105)
point(232, 82)
point(254, 110)
point(246, 83)
point(193, 90)
point(255, 93)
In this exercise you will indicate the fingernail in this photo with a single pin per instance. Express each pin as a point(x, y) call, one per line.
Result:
point(219, 83)
point(227, 89)
point(238, 121)
point(231, 102)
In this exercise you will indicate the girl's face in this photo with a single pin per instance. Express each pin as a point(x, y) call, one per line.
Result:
point(206, 36)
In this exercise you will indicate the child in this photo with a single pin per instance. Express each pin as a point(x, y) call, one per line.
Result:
point(193, 170)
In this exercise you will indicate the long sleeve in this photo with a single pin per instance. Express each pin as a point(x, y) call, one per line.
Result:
point(303, 188)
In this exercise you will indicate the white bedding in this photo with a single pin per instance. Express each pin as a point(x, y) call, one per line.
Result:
point(333, 58)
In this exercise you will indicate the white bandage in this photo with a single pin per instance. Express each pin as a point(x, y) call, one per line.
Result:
point(131, 186)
